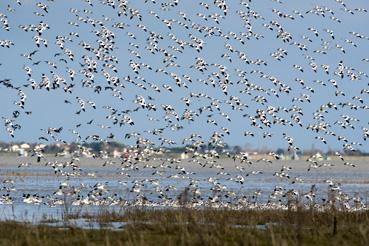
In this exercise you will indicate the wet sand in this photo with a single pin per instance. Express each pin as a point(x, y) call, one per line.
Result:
point(229, 165)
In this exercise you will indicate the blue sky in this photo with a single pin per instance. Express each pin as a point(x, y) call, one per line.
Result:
point(49, 110)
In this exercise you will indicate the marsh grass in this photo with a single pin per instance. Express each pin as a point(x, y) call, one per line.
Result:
point(201, 227)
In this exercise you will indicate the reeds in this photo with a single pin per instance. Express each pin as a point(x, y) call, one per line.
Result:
point(201, 227)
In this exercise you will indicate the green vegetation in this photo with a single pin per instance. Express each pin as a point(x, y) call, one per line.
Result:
point(202, 227)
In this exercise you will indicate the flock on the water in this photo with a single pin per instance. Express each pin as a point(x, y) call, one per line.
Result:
point(160, 74)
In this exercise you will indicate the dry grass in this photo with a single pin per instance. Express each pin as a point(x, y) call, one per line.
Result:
point(202, 227)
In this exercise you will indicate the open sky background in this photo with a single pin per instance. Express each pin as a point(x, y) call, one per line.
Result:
point(49, 110)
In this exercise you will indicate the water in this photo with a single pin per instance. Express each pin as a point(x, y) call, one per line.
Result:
point(87, 224)
point(158, 187)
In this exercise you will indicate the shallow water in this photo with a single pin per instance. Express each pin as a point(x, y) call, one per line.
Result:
point(41, 180)
point(87, 224)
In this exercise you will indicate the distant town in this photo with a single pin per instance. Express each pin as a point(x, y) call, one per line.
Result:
point(117, 150)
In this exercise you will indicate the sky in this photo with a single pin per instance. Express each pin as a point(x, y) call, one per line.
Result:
point(49, 110)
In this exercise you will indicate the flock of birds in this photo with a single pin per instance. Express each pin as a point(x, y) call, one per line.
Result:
point(201, 75)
